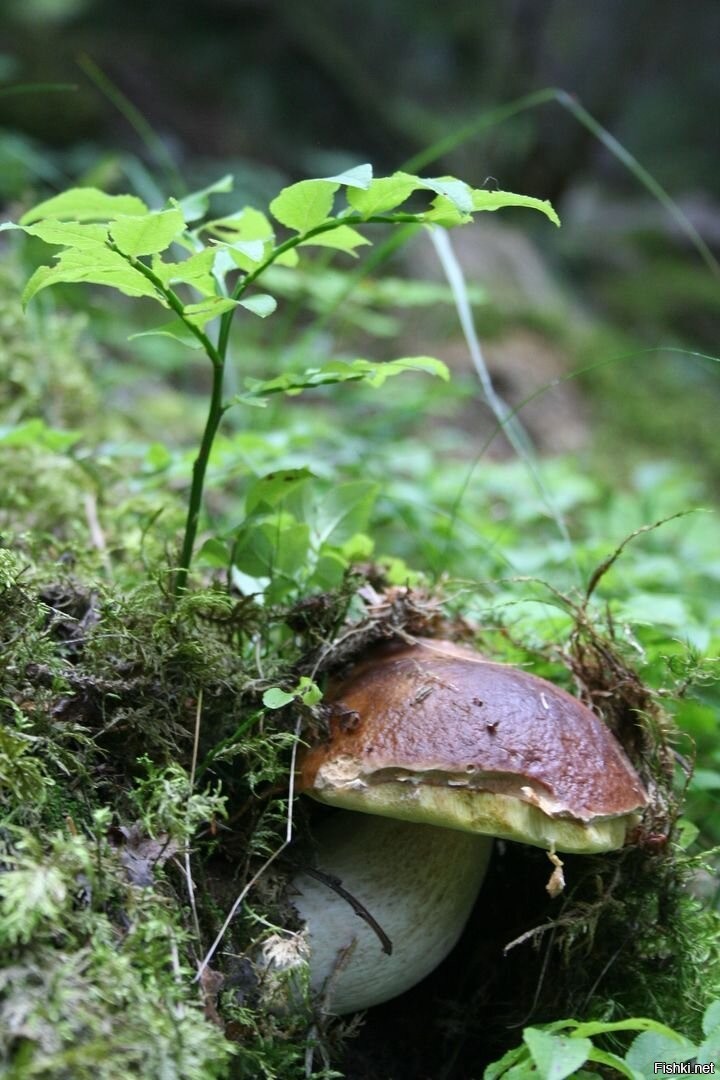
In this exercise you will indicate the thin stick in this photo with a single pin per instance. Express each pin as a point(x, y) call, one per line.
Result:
point(188, 871)
point(271, 859)
point(196, 741)
point(95, 528)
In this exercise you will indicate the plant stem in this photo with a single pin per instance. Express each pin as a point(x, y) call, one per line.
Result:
point(215, 413)
point(217, 355)
point(214, 416)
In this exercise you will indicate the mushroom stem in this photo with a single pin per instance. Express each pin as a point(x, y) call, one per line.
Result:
point(418, 882)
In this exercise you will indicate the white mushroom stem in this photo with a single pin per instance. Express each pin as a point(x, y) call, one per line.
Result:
point(418, 882)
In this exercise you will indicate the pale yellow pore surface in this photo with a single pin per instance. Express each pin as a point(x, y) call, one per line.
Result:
point(528, 817)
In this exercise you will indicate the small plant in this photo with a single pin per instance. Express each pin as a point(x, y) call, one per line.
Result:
point(566, 1048)
point(117, 241)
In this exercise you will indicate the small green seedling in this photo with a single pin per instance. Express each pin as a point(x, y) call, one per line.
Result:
point(217, 268)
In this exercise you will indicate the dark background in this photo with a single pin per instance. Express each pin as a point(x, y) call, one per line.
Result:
point(293, 86)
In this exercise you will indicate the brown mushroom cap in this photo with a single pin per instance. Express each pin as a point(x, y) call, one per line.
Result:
point(435, 733)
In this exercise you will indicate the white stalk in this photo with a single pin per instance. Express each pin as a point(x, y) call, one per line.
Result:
point(418, 882)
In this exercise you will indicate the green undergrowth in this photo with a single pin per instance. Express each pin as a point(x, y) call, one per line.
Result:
point(141, 738)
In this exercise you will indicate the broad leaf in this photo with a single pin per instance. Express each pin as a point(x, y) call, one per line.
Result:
point(269, 491)
point(709, 1049)
point(214, 552)
point(276, 547)
point(85, 204)
point(247, 224)
point(177, 330)
point(496, 200)
point(651, 1046)
point(260, 304)
point(606, 1057)
point(711, 1018)
point(195, 205)
point(556, 1056)
point(344, 511)
point(275, 698)
point(508, 1061)
point(329, 571)
point(288, 258)
point(247, 234)
point(97, 267)
point(197, 271)
point(341, 239)
point(64, 233)
point(358, 177)
point(246, 254)
point(201, 313)
point(382, 195)
point(444, 212)
point(457, 192)
point(147, 235)
point(305, 205)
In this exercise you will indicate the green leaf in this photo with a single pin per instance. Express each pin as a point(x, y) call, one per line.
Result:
point(457, 192)
point(686, 833)
point(382, 195)
point(358, 177)
point(496, 200)
point(651, 1046)
point(248, 236)
point(246, 254)
point(376, 374)
point(606, 1057)
point(177, 330)
point(276, 547)
point(309, 691)
point(509, 1060)
point(444, 212)
point(269, 491)
point(556, 1056)
point(247, 224)
point(705, 780)
point(195, 271)
point(633, 1023)
point(329, 570)
point(36, 433)
point(275, 698)
point(147, 235)
point(260, 304)
point(711, 1018)
point(65, 233)
point(201, 313)
point(709, 1050)
point(288, 258)
point(341, 239)
point(214, 552)
point(85, 204)
point(337, 371)
point(344, 511)
point(195, 205)
point(304, 205)
point(99, 266)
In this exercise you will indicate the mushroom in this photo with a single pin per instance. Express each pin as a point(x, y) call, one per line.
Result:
point(440, 750)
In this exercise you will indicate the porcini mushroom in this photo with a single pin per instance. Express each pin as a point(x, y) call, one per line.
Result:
point(440, 750)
